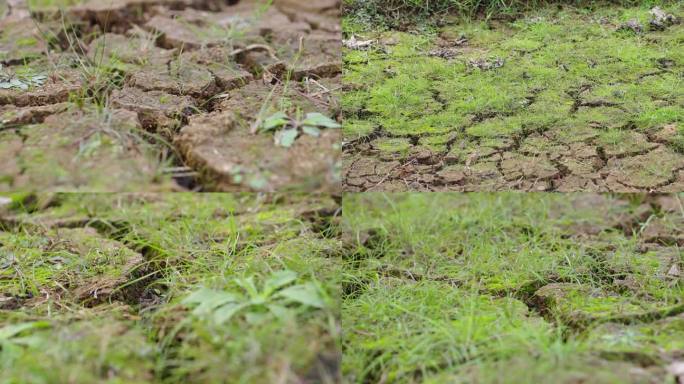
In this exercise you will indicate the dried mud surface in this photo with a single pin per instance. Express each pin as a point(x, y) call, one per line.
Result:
point(510, 288)
point(558, 100)
point(99, 287)
point(195, 75)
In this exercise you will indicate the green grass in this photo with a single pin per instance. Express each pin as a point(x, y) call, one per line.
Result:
point(37, 4)
point(568, 77)
point(448, 288)
point(405, 12)
point(225, 288)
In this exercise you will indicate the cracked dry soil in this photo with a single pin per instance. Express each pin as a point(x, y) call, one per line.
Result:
point(93, 288)
point(155, 95)
point(557, 100)
point(513, 288)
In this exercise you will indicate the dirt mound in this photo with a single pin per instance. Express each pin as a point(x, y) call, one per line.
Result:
point(221, 144)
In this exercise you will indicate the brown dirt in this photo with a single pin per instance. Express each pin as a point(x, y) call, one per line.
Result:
point(560, 155)
point(80, 150)
point(61, 83)
point(156, 110)
point(168, 60)
point(222, 146)
point(10, 115)
point(12, 32)
point(581, 168)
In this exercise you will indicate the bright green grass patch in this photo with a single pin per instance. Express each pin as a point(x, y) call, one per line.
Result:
point(228, 288)
point(465, 287)
point(416, 328)
point(563, 71)
point(52, 3)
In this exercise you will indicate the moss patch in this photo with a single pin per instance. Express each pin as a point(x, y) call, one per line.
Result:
point(568, 74)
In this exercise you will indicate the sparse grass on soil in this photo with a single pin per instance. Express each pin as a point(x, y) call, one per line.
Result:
point(560, 98)
point(169, 288)
point(511, 288)
point(167, 95)
point(404, 13)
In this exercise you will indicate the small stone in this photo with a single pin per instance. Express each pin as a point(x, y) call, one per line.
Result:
point(661, 19)
point(632, 25)
point(353, 43)
point(486, 65)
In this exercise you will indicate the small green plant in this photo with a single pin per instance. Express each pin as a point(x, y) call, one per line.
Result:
point(288, 129)
point(23, 82)
point(275, 296)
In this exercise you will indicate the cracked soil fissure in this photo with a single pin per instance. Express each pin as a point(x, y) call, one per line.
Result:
point(545, 103)
point(197, 75)
point(605, 299)
point(70, 261)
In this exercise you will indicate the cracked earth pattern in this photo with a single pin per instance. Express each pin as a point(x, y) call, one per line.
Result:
point(554, 101)
point(84, 277)
point(155, 95)
point(460, 288)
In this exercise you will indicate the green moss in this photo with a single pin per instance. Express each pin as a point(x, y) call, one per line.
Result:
point(435, 143)
point(476, 93)
point(562, 72)
point(617, 142)
point(52, 3)
point(405, 97)
point(354, 103)
point(354, 129)
point(60, 259)
point(657, 117)
point(583, 305)
point(191, 242)
point(497, 127)
point(27, 42)
point(100, 351)
point(664, 336)
point(392, 145)
point(438, 123)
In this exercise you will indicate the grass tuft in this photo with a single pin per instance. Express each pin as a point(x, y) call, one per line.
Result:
point(396, 13)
